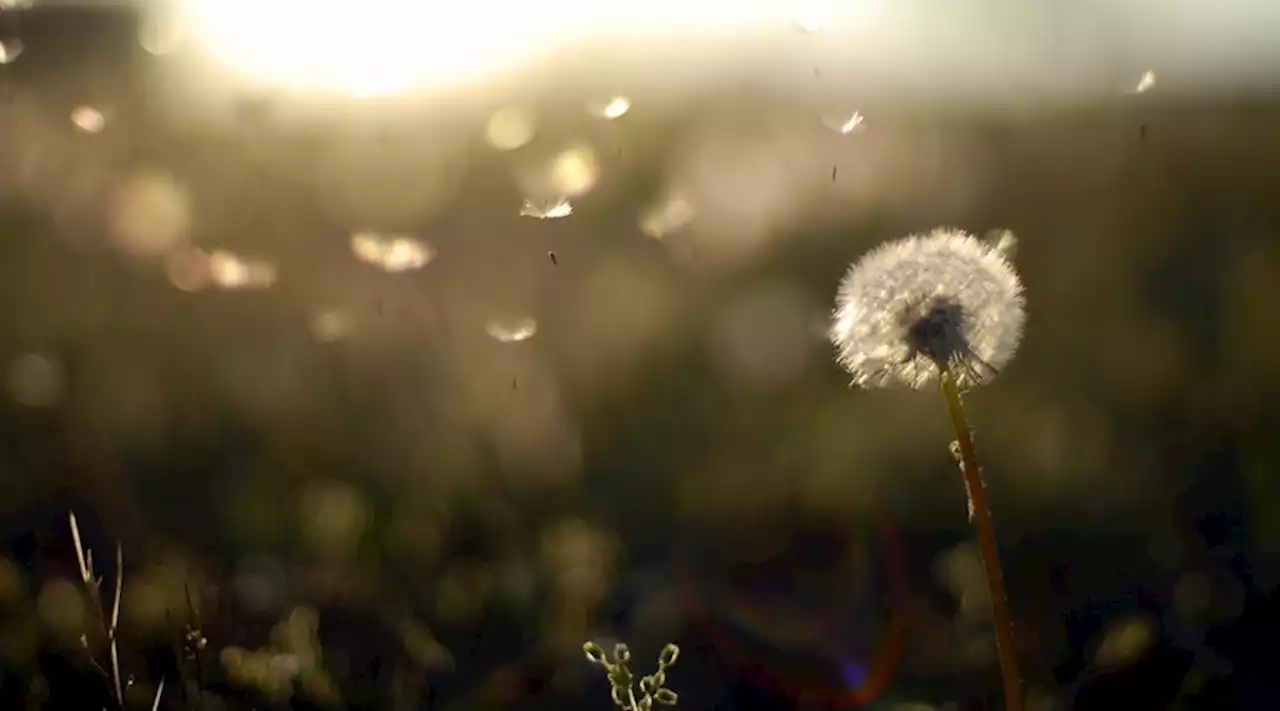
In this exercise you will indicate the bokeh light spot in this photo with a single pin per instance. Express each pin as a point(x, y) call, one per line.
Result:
point(334, 516)
point(150, 214)
point(88, 119)
point(659, 221)
point(331, 325)
point(188, 269)
point(35, 380)
point(162, 30)
point(1125, 642)
point(574, 171)
point(510, 128)
point(233, 272)
point(392, 253)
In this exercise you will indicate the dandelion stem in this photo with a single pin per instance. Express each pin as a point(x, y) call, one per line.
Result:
point(980, 516)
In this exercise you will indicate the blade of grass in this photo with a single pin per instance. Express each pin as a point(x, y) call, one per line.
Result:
point(107, 630)
point(155, 703)
point(115, 624)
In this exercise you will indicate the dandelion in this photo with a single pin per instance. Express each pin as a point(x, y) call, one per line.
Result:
point(912, 307)
point(944, 309)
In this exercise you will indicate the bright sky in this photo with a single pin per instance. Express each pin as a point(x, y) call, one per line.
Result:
point(375, 47)
point(381, 46)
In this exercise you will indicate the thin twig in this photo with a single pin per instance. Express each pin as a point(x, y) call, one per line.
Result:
point(107, 630)
point(980, 516)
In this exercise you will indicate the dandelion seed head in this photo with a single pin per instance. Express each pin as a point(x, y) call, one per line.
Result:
point(945, 297)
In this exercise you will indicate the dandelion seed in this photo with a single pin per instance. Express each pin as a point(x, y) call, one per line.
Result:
point(617, 107)
point(945, 298)
point(1146, 83)
point(511, 330)
point(548, 211)
point(853, 124)
point(9, 50)
point(1003, 241)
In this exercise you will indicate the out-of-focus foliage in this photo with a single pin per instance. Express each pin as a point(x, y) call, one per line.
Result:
point(383, 440)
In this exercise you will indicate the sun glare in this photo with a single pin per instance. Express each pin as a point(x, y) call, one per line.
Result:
point(380, 47)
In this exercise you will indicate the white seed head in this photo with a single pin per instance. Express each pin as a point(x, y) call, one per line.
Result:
point(910, 305)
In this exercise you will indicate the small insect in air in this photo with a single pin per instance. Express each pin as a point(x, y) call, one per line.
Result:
point(553, 258)
point(834, 169)
point(547, 211)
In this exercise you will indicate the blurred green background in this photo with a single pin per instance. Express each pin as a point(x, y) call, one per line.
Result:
point(391, 441)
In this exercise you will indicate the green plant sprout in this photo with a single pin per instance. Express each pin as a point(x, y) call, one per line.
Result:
point(653, 688)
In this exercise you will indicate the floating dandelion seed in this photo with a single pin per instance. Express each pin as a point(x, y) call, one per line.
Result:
point(511, 330)
point(944, 308)
point(1003, 241)
point(9, 50)
point(942, 298)
point(852, 125)
point(614, 108)
point(1146, 83)
point(547, 211)
point(844, 122)
point(811, 21)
